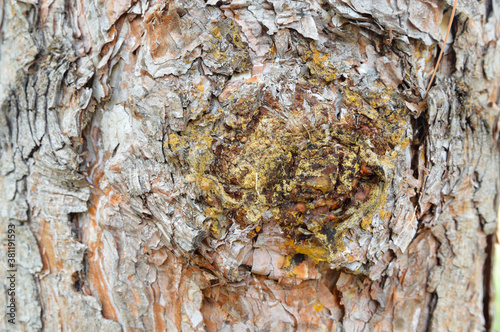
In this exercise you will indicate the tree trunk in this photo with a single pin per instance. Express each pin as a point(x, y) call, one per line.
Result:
point(262, 165)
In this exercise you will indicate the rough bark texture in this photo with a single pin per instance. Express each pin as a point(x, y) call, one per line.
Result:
point(249, 165)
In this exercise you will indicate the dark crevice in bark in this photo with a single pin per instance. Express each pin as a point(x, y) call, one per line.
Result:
point(77, 281)
point(39, 300)
point(84, 152)
point(14, 115)
point(488, 4)
point(2, 19)
point(28, 205)
point(488, 290)
point(75, 226)
point(420, 127)
point(5, 113)
point(432, 306)
point(341, 306)
point(79, 278)
point(163, 141)
point(32, 152)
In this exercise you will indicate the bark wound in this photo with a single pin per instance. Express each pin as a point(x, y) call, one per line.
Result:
point(319, 168)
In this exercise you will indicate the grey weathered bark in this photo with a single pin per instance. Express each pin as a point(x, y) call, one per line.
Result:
point(261, 165)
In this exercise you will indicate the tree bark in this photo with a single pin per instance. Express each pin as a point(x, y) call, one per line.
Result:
point(249, 165)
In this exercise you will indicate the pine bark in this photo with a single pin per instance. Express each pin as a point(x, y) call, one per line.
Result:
point(261, 165)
